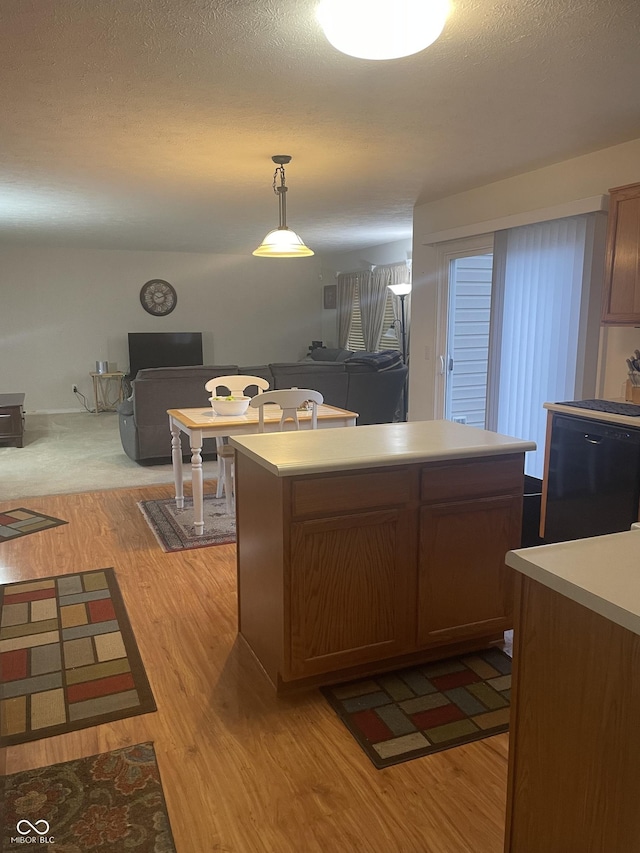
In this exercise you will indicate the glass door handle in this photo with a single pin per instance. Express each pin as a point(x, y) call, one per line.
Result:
point(446, 363)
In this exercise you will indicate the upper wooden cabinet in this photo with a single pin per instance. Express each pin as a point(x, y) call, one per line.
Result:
point(621, 296)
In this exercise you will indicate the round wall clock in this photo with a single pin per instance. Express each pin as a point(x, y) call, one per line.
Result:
point(158, 297)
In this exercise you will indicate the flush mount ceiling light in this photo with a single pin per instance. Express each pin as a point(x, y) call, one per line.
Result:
point(380, 29)
point(282, 242)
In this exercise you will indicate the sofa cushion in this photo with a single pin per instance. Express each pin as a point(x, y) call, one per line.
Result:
point(195, 371)
point(162, 388)
point(328, 354)
point(261, 370)
point(329, 378)
point(387, 359)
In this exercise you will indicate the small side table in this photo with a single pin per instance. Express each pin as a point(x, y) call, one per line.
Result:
point(101, 383)
point(12, 418)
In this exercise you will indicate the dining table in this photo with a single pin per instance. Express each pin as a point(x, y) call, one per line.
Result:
point(202, 423)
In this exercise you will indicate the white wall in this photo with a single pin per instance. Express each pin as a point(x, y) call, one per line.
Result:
point(334, 263)
point(61, 310)
point(475, 212)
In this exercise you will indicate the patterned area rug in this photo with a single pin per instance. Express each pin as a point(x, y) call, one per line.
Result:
point(174, 530)
point(109, 803)
point(20, 522)
point(413, 712)
point(68, 657)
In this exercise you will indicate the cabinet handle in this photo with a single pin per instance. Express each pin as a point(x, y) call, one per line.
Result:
point(5, 416)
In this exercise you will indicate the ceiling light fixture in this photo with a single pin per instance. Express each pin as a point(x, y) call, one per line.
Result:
point(282, 242)
point(378, 29)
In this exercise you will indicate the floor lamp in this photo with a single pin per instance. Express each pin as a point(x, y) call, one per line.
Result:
point(402, 291)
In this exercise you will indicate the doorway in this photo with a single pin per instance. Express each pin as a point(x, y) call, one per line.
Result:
point(469, 316)
point(465, 269)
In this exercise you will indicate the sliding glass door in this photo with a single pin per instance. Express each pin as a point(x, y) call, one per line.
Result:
point(519, 325)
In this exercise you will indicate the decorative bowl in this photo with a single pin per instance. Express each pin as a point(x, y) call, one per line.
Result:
point(229, 405)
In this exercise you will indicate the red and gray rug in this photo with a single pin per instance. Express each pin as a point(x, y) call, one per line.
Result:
point(414, 712)
point(109, 803)
point(68, 657)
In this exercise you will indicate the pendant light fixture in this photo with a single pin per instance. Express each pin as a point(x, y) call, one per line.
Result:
point(380, 29)
point(282, 242)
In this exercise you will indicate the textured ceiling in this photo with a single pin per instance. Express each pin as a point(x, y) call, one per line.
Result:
point(149, 124)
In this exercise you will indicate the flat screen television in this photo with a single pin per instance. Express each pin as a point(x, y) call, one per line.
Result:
point(163, 349)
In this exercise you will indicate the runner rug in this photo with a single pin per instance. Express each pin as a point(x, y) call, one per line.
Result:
point(413, 712)
point(108, 803)
point(18, 522)
point(68, 657)
point(173, 527)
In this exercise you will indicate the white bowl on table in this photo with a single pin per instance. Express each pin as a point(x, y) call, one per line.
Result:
point(229, 406)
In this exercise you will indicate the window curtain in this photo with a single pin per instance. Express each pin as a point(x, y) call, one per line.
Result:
point(400, 274)
point(541, 274)
point(345, 298)
point(373, 300)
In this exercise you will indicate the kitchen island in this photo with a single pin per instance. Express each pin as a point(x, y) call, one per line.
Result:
point(374, 547)
point(574, 740)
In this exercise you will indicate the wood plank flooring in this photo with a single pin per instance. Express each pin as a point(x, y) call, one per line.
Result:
point(244, 771)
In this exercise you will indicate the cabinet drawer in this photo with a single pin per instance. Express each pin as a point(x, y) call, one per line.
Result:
point(351, 492)
point(10, 421)
point(469, 479)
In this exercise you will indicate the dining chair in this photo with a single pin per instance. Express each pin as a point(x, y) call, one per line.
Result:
point(290, 400)
point(237, 385)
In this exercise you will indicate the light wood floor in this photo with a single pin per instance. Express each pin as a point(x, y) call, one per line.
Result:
point(244, 771)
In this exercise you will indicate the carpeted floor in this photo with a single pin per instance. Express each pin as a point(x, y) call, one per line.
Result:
point(69, 658)
point(418, 711)
point(77, 452)
point(173, 527)
point(108, 803)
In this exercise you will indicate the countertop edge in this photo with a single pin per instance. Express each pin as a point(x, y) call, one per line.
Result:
point(407, 458)
point(573, 591)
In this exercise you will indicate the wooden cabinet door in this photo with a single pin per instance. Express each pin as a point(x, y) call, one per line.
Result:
point(352, 591)
point(621, 296)
point(464, 588)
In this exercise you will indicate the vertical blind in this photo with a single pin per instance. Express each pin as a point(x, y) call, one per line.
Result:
point(539, 284)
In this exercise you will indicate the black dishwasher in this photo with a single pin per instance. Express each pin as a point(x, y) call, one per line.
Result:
point(593, 482)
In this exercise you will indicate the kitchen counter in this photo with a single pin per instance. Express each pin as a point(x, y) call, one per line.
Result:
point(574, 737)
point(575, 570)
point(607, 417)
point(374, 446)
point(353, 550)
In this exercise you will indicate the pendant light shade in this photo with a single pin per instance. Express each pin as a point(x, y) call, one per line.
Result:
point(380, 29)
point(282, 242)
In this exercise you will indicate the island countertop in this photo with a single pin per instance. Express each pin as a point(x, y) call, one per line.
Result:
point(375, 446)
point(601, 573)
